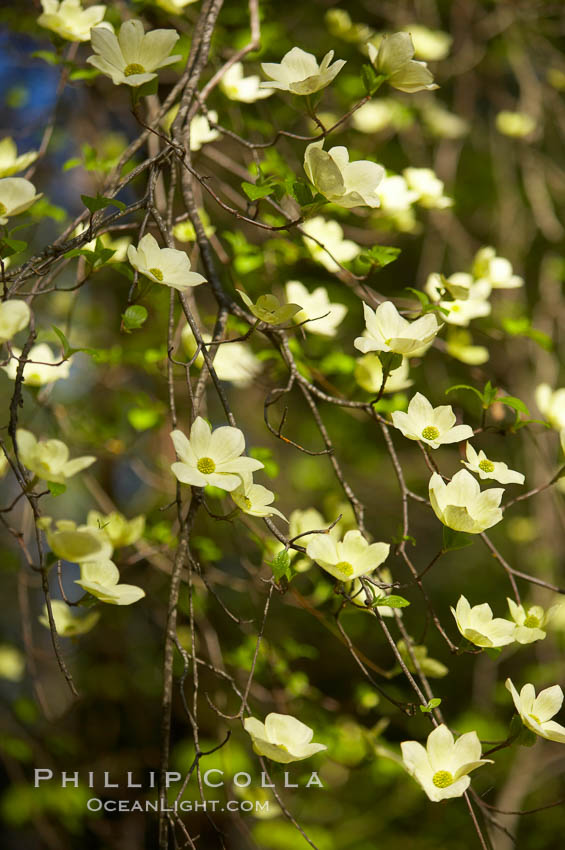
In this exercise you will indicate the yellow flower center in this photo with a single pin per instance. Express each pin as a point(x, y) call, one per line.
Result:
point(455, 308)
point(132, 69)
point(157, 273)
point(486, 465)
point(430, 433)
point(206, 466)
point(246, 502)
point(442, 779)
point(345, 568)
point(531, 622)
point(3, 208)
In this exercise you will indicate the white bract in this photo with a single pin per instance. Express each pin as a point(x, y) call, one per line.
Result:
point(268, 308)
point(75, 543)
point(387, 330)
point(496, 270)
point(323, 315)
point(16, 196)
point(132, 57)
point(442, 767)
point(348, 184)
point(530, 622)
point(69, 20)
point(394, 194)
point(346, 559)
point(14, 317)
point(552, 405)
point(42, 366)
point(200, 131)
point(334, 249)
point(394, 59)
point(10, 162)
point(243, 89)
point(471, 302)
point(369, 375)
point(432, 425)
point(66, 623)
point(211, 457)
point(234, 362)
point(515, 124)
point(431, 45)
point(282, 738)
point(478, 625)
point(101, 579)
point(119, 530)
point(163, 265)
point(254, 499)
point(462, 506)
point(428, 187)
point(480, 464)
point(49, 459)
point(536, 711)
point(299, 72)
point(175, 7)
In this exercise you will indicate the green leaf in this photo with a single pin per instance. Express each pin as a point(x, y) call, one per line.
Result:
point(390, 602)
point(134, 317)
point(100, 203)
point(390, 361)
point(56, 489)
point(371, 80)
point(489, 395)
point(302, 192)
point(144, 90)
point(280, 565)
point(493, 651)
point(380, 255)
point(433, 703)
point(254, 191)
point(68, 350)
point(515, 403)
point(47, 56)
point(465, 387)
point(455, 539)
point(84, 74)
point(9, 247)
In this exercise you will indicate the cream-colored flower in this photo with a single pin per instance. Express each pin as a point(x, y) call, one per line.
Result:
point(442, 767)
point(282, 738)
point(12, 663)
point(200, 131)
point(473, 304)
point(387, 330)
point(394, 194)
point(75, 543)
point(269, 309)
point(14, 317)
point(478, 625)
point(394, 59)
point(299, 72)
point(428, 187)
point(42, 366)
point(462, 506)
point(101, 579)
point(254, 499)
point(132, 57)
point(431, 45)
point(348, 184)
point(334, 248)
point(301, 521)
point(369, 375)
point(163, 265)
point(552, 405)
point(234, 362)
point(431, 425)
point(349, 558)
point(67, 624)
point(536, 712)
point(69, 20)
point(16, 196)
point(175, 7)
point(459, 345)
point(515, 124)
point(374, 116)
point(323, 316)
point(458, 285)
point(211, 457)
point(10, 162)
point(442, 123)
point(243, 89)
point(49, 459)
point(530, 622)
point(494, 469)
point(496, 270)
point(119, 530)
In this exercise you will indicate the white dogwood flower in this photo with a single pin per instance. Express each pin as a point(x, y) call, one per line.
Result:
point(132, 57)
point(442, 767)
point(369, 375)
point(69, 20)
point(387, 330)
point(234, 362)
point(334, 248)
point(478, 625)
point(211, 457)
point(75, 543)
point(163, 265)
point(462, 506)
point(349, 558)
point(394, 59)
point(268, 308)
point(480, 464)
point(49, 459)
point(552, 405)
point(323, 315)
point(530, 622)
point(394, 194)
point(431, 45)
point(434, 426)
point(10, 162)
point(175, 7)
point(119, 530)
point(282, 738)
point(475, 304)
point(14, 317)
point(200, 131)
point(299, 72)
point(254, 499)
point(16, 196)
point(536, 711)
point(348, 184)
point(496, 270)
point(101, 579)
point(42, 366)
point(66, 623)
point(243, 89)
point(428, 187)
